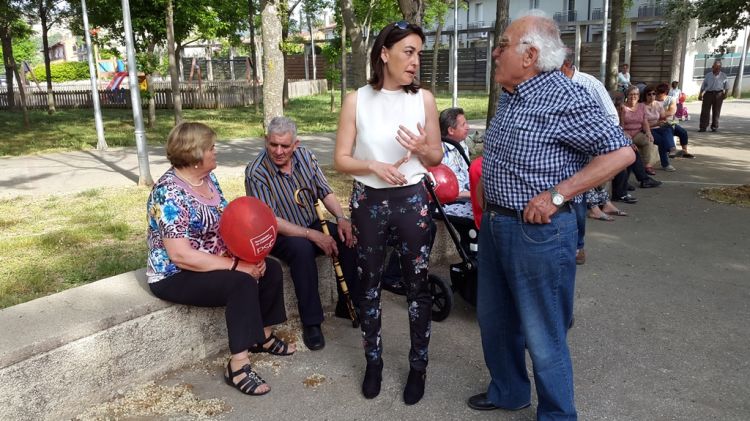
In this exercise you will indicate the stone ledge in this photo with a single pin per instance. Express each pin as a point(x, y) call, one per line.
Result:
point(57, 352)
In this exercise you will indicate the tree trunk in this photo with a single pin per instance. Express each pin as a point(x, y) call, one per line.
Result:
point(45, 53)
point(359, 47)
point(7, 45)
point(678, 48)
point(737, 87)
point(501, 21)
point(413, 10)
point(343, 63)
point(174, 74)
point(22, 92)
point(435, 54)
point(151, 93)
point(614, 44)
point(253, 52)
point(273, 62)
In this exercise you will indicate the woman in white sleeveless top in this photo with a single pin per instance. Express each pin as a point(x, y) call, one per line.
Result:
point(388, 133)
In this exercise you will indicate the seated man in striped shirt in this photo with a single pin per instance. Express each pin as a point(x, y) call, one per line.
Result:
point(282, 173)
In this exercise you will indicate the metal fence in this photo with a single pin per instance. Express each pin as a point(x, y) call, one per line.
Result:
point(211, 95)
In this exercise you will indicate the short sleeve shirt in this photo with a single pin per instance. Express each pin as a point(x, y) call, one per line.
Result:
point(173, 211)
point(277, 189)
point(543, 133)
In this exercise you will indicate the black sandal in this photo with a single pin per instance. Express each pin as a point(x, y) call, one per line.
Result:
point(277, 347)
point(247, 384)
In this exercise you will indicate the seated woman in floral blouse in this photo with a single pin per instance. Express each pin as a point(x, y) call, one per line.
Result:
point(188, 263)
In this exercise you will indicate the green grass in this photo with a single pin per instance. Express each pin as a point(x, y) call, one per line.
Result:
point(51, 244)
point(75, 130)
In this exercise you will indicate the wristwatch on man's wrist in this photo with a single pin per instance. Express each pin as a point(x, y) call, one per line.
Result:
point(557, 199)
point(342, 217)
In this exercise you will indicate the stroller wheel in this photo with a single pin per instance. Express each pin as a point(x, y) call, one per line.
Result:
point(442, 298)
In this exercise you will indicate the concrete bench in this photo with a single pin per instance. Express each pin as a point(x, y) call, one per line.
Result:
point(69, 350)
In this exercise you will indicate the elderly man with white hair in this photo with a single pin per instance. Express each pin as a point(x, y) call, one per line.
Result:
point(536, 160)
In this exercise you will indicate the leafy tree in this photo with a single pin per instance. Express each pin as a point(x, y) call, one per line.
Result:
point(273, 61)
point(717, 17)
point(25, 49)
point(435, 13)
point(332, 52)
point(48, 13)
point(501, 21)
point(614, 43)
point(360, 17)
point(413, 10)
point(12, 26)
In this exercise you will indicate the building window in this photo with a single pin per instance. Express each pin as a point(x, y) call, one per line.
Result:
point(478, 13)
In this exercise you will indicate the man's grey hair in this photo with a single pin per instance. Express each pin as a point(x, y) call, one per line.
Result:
point(544, 35)
point(282, 125)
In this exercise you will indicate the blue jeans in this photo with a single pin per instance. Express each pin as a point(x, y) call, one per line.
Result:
point(681, 133)
point(664, 140)
point(525, 300)
point(580, 210)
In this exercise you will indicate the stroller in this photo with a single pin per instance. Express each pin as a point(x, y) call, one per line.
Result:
point(682, 111)
point(463, 275)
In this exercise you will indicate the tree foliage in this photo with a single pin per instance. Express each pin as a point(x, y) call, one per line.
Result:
point(24, 46)
point(717, 17)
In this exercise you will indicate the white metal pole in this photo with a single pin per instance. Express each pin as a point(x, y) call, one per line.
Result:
point(603, 64)
point(135, 98)
point(101, 143)
point(455, 54)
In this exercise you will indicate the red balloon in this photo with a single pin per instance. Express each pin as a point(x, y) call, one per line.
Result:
point(446, 183)
point(248, 228)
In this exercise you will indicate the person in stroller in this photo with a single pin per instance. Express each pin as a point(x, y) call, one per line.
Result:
point(455, 128)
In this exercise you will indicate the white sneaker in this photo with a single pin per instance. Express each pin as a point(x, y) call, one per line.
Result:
point(669, 168)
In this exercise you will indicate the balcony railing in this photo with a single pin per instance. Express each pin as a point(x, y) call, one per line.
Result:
point(651, 10)
point(596, 14)
point(565, 16)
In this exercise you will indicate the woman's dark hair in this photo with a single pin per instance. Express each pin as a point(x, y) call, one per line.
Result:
point(644, 94)
point(391, 34)
point(662, 88)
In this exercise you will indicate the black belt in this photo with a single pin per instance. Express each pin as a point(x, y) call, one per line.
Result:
point(714, 92)
point(501, 210)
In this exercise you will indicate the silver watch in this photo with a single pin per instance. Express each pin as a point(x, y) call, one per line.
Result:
point(557, 199)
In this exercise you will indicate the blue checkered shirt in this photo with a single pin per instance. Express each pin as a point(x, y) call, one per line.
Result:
point(542, 134)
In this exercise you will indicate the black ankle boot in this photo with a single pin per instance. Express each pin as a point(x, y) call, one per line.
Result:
point(373, 378)
point(414, 389)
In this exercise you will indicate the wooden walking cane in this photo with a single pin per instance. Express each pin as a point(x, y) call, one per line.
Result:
point(336, 265)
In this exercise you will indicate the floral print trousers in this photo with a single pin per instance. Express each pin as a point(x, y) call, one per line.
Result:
point(398, 217)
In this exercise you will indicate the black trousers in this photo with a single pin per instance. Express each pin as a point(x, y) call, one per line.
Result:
point(711, 106)
point(620, 181)
point(300, 253)
point(250, 304)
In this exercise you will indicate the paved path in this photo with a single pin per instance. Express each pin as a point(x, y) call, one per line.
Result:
point(662, 311)
point(69, 172)
point(662, 305)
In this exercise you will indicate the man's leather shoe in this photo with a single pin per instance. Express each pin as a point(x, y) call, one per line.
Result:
point(701, 130)
point(626, 199)
point(650, 182)
point(313, 338)
point(480, 402)
point(580, 257)
point(342, 311)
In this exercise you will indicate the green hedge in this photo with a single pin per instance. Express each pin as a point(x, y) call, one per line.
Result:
point(63, 72)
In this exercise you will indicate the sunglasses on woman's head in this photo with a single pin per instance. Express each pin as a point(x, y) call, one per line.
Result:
point(402, 24)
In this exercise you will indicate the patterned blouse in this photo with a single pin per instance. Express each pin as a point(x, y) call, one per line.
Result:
point(174, 211)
